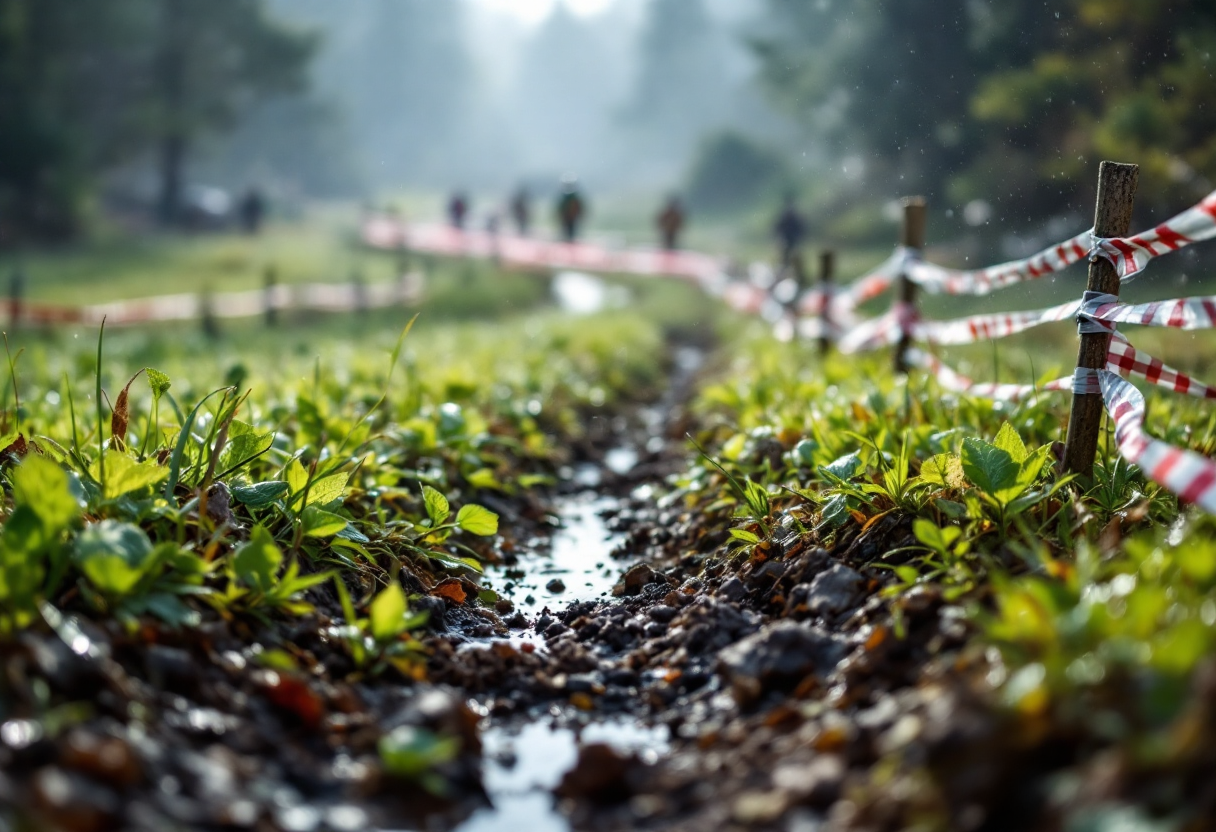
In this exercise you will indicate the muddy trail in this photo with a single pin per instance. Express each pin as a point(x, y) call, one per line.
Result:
point(631, 672)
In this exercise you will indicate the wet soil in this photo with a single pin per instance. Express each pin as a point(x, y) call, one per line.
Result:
point(635, 673)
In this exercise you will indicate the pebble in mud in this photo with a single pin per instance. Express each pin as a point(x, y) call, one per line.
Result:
point(556, 585)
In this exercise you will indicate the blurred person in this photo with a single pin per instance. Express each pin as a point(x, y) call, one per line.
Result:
point(671, 222)
point(252, 210)
point(789, 229)
point(458, 210)
point(521, 210)
point(570, 209)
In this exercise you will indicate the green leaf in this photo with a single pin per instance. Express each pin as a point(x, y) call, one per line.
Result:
point(320, 523)
point(296, 476)
point(179, 450)
point(327, 489)
point(1007, 440)
point(477, 520)
point(260, 495)
point(46, 489)
point(411, 752)
point(944, 470)
point(437, 507)
point(257, 562)
point(125, 475)
point(745, 535)
point(114, 556)
point(845, 468)
point(386, 614)
point(243, 445)
point(940, 540)
point(835, 511)
point(757, 499)
point(453, 561)
point(990, 468)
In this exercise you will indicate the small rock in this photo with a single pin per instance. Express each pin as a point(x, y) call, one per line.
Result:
point(556, 585)
point(779, 656)
point(637, 578)
point(662, 613)
point(733, 590)
point(504, 606)
point(600, 775)
point(834, 590)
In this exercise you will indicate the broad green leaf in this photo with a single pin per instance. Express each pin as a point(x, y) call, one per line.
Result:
point(296, 477)
point(353, 535)
point(386, 615)
point(158, 381)
point(46, 489)
point(1007, 440)
point(114, 556)
point(260, 495)
point(320, 523)
point(1196, 557)
point(945, 470)
point(257, 562)
point(125, 475)
point(477, 520)
point(327, 489)
point(990, 468)
point(243, 446)
point(111, 574)
point(845, 468)
point(437, 507)
point(936, 538)
point(835, 511)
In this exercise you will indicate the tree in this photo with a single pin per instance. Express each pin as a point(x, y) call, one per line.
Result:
point(682, 88)
point(67, 74)
point(214, 62)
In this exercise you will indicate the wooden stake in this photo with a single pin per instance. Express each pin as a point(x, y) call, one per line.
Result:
point(827, 274)
point(1112, 218)
point(271, 278)
point(912, 235)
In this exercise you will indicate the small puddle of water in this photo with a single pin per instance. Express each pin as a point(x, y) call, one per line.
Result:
point(522, 768)
point(578, 554)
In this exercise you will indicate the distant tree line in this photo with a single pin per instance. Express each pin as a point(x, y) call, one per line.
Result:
point(86, 87)
point(1010, 102)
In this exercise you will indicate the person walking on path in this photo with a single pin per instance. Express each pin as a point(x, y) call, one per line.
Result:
point(252, 210)
point(789, 229)
point(570, 209)
point(671, 222)
point(521, 210)
point(458, 210)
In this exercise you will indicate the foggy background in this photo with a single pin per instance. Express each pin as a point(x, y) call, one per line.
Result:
point(148, 111)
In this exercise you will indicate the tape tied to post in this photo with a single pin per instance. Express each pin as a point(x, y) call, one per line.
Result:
point(1087, 321)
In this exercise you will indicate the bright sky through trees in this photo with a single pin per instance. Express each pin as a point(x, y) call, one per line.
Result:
point(534, 11)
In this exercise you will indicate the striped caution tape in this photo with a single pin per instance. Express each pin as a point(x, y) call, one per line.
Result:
point(1131, 254)
point(940, 280)
point(1185, 473)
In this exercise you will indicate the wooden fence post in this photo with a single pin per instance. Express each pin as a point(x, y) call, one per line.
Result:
point(1112, 218)
point(207, 315)
point(912, 236)
point(827, 276)
point(271, 280)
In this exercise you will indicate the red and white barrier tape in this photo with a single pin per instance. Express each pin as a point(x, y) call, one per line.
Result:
point(1126, 360)
point(1180, 313)
point(1131, 254)
point(955, 381)
point(940, 280)
point(1185, 473)
point(529, 252)
point(992, 326)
